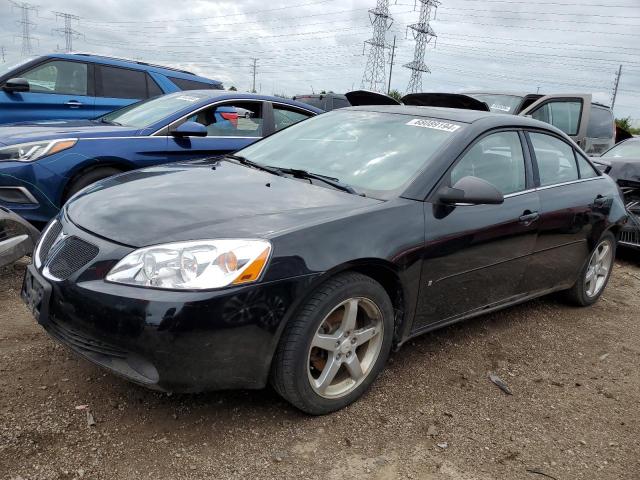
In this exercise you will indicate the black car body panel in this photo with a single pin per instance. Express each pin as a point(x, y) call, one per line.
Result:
point(17, 237)
point(449, 100)
point(439, 264)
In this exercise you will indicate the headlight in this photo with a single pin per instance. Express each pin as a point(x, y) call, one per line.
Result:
point(28, 152)
point(194, 265)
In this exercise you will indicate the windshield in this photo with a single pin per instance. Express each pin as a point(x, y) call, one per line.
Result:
point(499, 103)
point(629, 149)
point(372, 152)
point(7, 67)
point(144, 114)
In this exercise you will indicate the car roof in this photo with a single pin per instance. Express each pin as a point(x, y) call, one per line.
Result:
point(124, 62)
point(232, 95)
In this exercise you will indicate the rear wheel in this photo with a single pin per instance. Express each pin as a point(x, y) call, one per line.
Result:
point(86, 179)
point(336, 346)
point(595, 273)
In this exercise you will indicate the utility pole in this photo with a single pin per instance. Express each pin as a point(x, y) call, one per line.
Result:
point(253, 88)
point(374, 72)
point(423, 34)
point(393, 54)
point(68, 32)
point(27, 24)
point(3, 53)
point(615, 87)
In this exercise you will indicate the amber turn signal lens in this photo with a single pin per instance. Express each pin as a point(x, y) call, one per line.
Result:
point(58, 147)
point(253, 271)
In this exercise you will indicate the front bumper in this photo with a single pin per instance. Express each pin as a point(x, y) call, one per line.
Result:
point(166, 340)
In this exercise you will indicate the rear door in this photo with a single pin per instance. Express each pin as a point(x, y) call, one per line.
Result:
point(118, 87)
point(227, 130)
point(59, 89)
point(476, 255)
point(568, 112)
point(574, 200)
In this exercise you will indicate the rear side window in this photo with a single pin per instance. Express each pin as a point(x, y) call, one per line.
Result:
point(284, 117)
point(112, 82)
point(496, 158)
point(562, 114)
point(600, 123)
point(61, 77)
point(193, 84)
point(586, 169)
point(555, 159)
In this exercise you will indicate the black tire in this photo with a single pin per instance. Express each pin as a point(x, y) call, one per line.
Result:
point(291, 364)
point(577, 294)
point(86, 179)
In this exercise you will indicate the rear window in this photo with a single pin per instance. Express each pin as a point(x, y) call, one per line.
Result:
point(499, 103)
point(600, 123)
point(194, 85)
point(313, 101)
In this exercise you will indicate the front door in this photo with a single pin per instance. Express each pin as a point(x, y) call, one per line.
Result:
point(476, 255)
point(58, 89)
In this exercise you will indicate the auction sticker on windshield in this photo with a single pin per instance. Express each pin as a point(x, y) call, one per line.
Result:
point(188, 98)
point(434, 124)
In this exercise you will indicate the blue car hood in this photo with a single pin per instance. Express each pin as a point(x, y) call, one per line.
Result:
point(13, 133)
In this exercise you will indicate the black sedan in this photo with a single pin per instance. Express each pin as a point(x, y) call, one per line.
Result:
point(304, 258)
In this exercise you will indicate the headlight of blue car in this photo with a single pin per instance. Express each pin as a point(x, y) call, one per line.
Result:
point(28, 152)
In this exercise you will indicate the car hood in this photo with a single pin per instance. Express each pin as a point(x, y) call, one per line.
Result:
point(204, 199)
point(13, 133)
point(620, 168)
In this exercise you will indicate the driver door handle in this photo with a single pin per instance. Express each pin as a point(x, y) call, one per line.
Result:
point(73, 104)
point(528, 217)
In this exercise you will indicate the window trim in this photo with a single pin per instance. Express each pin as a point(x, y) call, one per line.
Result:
point(90, 77)
point(99, 87)
point(529, 184)
point(167, 128)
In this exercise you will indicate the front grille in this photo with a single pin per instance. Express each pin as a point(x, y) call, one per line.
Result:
point(78, 340)
point(70, 256)
point(47, 241)
point(630, 237)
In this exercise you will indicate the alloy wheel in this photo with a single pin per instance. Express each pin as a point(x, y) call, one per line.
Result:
point(599, 267)
point(345, 347)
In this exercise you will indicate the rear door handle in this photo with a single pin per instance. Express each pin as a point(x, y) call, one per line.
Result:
point(528, 217)
point(73, 104)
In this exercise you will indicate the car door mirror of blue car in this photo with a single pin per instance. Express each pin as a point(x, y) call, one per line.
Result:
point(190, 129)
point(470, 191)
point(16, 85)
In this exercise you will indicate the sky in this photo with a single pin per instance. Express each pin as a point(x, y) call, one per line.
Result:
point(556, 46)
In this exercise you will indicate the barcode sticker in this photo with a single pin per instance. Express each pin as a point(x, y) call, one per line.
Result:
point(434, 124)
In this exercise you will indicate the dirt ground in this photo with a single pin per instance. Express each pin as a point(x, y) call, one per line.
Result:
point(433, 414)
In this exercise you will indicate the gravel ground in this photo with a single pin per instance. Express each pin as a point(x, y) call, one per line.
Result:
point(433, 414)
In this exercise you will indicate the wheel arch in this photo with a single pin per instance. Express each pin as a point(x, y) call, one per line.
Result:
point(92, 164)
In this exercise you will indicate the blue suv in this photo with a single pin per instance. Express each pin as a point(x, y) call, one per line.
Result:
point(81, 86)
point(42, 164)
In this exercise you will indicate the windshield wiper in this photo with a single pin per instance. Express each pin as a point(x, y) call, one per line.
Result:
point(110, 122)
point(245, 161)
point(334, 182)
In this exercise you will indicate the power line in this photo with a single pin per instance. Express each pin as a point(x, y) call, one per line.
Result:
point(374, 77)
point(27, 24)
point(68, 31)
point(423, 35)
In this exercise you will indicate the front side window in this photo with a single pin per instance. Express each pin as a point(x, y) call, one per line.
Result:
point(496, 158)
point(374, 152)
point(601, 124)
point(284, 117)
point(562, 114)
point(238, 119)
point(112, 82)
point(61, 77)
point(555, 159)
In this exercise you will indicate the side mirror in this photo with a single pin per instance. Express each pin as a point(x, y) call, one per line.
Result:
point(15, 85)
point(471, 190)
point(190, 129)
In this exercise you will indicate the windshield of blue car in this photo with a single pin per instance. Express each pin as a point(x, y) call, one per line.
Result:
point(7, 67)
point(372, 152)
point(499, 103)
point(149, 112)
point(628, 149)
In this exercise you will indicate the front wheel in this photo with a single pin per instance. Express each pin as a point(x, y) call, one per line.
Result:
point(336, 346)
point(595, 273)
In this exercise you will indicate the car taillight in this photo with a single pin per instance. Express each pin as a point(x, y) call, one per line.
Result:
point(232, 117)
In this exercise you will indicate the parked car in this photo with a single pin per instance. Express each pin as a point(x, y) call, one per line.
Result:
point(17, 237)
point(622, 163)
point(304, 258)
point(591, 125)
point(331, 101)
point(43, 164)
point(82, 86)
